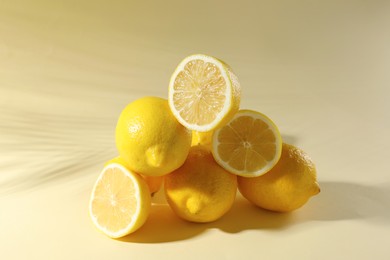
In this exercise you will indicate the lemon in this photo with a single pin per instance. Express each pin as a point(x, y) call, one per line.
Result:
point(204, 93)
point(120, 201)
point(286, 187)
point(249, 145)
point(200, 190)
point(154, 182)
point(150, 139)
point(202, 138)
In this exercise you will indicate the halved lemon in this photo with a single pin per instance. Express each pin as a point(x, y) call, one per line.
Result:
point(204, 93)
point(120, 201)
point(249, 145)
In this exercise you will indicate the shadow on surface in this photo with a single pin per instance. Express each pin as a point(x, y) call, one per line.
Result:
point(163, 226)
point(342, 201)
point(337, 201)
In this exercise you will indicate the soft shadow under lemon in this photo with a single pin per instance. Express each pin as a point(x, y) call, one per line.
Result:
point(164, 226)
point(337, 201)
point(246, 216)
point(344, 200)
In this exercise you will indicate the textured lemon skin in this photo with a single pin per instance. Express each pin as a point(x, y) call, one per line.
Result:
point(287, 186)
point(200, 190)
point(150, 139)
point(202, 138)
point(154, 182)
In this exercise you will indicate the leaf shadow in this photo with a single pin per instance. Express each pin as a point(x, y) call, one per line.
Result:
point(343, 201)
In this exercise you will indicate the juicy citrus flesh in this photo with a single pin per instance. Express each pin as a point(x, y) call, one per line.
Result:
point(200, 191)
point(150, 139)
point(249, 145)
point(120, 201)
point(202, 83)
point(154, 182)
point(287, 186)
point(203, 91)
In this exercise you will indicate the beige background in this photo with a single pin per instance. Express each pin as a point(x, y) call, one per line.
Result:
point(319, 69)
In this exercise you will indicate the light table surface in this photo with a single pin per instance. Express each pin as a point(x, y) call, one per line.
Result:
point(319, 69)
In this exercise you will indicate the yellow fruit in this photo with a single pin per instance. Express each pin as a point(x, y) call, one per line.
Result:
point(200, 190)
point(202, 138)
point(204, 93)
point(150, 139)
point(154, 182)
point(120, 201)
point(286, 187)
point(249, 145)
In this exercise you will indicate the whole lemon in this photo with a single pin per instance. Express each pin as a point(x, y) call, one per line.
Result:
point(200, 190)
point(150, 139)
point(202, 138)
point(287, 186)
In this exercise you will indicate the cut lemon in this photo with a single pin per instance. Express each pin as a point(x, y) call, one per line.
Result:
point(120, 201)
point(249, 145)
point(204, 93)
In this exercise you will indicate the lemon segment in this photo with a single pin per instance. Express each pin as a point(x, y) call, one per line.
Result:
point(203, 93)
point(249, 145)
point(120, 201)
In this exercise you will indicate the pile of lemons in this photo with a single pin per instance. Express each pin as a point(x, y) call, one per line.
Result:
point(201, 148)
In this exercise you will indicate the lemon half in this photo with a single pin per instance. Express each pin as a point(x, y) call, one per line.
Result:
point(120, 201)
point(204, 93)
point(249, 145)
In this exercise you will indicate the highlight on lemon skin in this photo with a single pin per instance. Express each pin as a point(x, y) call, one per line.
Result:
point(120, 201)
point(150, 139)
point(204, 93)
point(249, 145)
point(200, 190)
point(287, 186)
